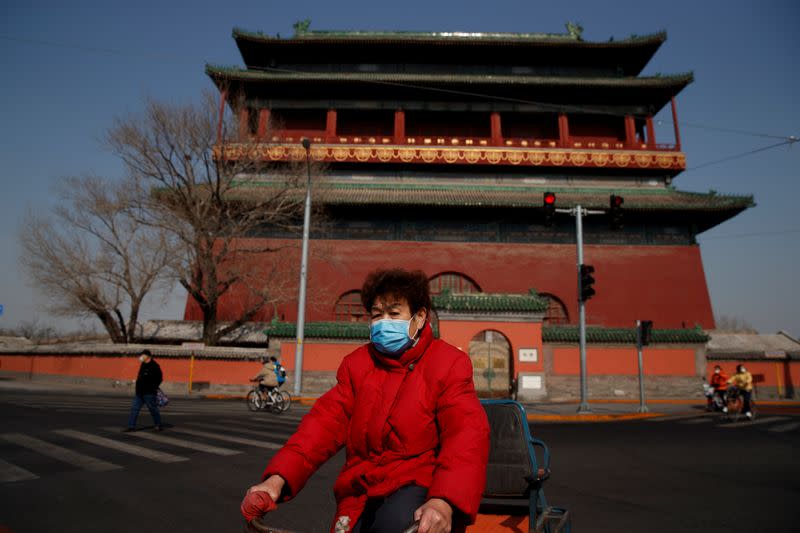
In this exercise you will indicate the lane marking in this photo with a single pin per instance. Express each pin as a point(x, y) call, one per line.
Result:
point(254, 432)
point(680, 417)
point(9, 472)
point(228, 438)
point(743, 422)
point(785, 427)
point(132, 449)
point(86, 462)
point(181, 443)
point(264, 424)
point(702, 420)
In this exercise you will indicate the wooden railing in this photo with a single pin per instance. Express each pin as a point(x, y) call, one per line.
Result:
point(583, 143)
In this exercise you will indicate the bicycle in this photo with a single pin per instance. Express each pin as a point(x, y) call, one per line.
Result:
point(274, 400)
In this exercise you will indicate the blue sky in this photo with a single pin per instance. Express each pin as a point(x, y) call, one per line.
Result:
point(68, 70)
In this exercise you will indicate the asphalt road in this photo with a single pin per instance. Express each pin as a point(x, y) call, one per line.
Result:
point(66, 466)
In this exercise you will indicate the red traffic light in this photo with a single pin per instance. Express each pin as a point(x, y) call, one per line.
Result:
point(549, 198)
point(617, 201)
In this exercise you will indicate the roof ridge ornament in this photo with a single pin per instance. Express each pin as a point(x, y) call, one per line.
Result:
point(575, 30)
point(301, 27)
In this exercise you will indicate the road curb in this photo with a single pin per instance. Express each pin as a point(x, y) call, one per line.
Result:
point(592, 417)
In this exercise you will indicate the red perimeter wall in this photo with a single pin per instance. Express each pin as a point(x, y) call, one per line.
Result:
point(665, 284)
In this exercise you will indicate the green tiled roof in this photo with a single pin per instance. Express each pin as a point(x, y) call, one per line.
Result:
point(237, 73)
point(324, 330)
point(644, 199)
point(569, 335)
point(488, 303)
point(328, 330)
point(453, 37)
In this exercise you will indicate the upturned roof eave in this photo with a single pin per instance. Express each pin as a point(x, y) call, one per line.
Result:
point(673, 81)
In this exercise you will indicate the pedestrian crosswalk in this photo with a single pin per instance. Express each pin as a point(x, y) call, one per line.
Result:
point(721, 421)
point(103, 449)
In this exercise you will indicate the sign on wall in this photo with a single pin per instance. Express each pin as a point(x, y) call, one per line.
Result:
point(531, 382)
point(528, 355)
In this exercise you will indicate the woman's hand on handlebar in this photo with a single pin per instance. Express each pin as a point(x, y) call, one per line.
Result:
point(434, 516)
point(260, 499)
point(273, 486)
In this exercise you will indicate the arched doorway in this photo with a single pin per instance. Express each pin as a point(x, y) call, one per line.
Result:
point(454, 282)
point(490, 352)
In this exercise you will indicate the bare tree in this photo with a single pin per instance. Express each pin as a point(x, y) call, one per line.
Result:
point(93, 257)
point(214, 190)
point(734, 324)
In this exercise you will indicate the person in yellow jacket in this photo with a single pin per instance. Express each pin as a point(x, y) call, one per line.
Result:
point(742, 380)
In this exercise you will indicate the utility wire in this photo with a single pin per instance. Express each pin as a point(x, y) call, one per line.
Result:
point(743, 154)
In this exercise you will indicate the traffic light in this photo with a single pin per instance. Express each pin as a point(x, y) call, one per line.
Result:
point(549, 206)
point(586, 282)
point(615, 211)
point(645, 331)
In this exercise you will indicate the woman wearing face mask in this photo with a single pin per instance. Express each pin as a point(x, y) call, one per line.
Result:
point(743, 380)
point(405, 409)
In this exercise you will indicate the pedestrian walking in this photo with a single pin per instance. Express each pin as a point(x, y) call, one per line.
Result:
point(147, 382)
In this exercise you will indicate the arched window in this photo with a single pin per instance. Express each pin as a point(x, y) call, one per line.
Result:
point(349, 308)
point(556, 311)
point(454, 281)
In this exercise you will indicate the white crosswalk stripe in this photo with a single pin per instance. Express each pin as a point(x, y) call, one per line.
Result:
point(743, 422)
point(290, 427)
point(132, 449)
point(60, 453)
point(180, 443)
point(280, 435)
point(791, 426)
point(678, 417)
point(227, 438)
point(701, 420)
point(10, 472)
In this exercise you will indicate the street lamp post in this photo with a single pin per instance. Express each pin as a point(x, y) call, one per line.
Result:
point(301, 298)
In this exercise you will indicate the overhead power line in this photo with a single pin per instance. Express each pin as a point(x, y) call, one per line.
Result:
point(792, 140)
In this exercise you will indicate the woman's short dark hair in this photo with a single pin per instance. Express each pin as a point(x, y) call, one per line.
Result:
point(147, 353)
point(411, 285)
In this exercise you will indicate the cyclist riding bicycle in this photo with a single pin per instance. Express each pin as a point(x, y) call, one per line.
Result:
point(272, 375)
point(404, 408)
point(742, 380)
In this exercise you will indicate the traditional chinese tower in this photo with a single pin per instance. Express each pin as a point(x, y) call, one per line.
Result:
point(439, 147)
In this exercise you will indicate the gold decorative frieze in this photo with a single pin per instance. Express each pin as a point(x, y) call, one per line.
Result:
point(470, 155)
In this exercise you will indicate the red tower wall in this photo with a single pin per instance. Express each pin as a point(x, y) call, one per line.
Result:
point(665, 284)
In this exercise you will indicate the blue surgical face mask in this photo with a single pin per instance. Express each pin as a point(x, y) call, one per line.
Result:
point(390, 336)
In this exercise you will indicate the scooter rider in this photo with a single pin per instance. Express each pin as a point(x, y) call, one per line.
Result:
point(718, 382)
point(743, 380)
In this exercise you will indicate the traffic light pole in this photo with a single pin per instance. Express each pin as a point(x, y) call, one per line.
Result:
point(642, 407)
point(583, 407)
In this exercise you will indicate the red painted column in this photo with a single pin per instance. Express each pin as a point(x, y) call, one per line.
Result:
point(675, 123)
point(263, 122)
point(497, 129)
point(223, 94)
point(244, 117)
point(399, 126)
point(563, 130)
point(330, 125)
point(630, 131)
point(651, 134)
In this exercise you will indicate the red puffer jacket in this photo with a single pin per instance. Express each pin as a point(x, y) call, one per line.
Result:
point(412, 420)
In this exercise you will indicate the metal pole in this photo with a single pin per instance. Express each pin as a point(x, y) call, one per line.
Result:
point(584, 405)
point(642, 406)
point(301, 298)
